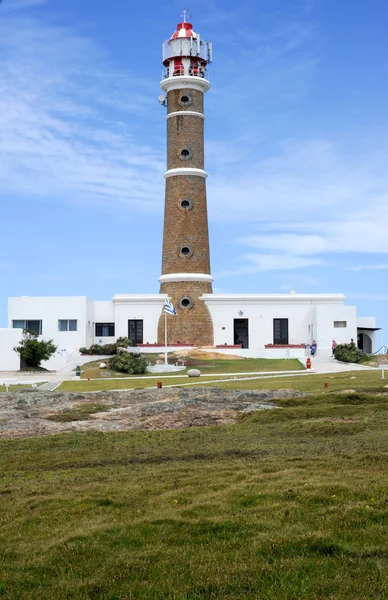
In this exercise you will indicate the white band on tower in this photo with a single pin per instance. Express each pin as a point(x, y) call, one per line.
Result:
point(185, 171)
point(181, 113)
point(176, 277)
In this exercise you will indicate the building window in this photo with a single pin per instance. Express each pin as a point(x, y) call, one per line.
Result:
point(185, 154)
point(186, 302)
point(105, 329)
point(135, 331)
point(29, 325)
point(340, 324)
point(280, 331)
point(185, 99)
point(185, 251)
point(186, 204)
point(67, 325)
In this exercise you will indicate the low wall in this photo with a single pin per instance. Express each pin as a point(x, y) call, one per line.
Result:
point(9, 360)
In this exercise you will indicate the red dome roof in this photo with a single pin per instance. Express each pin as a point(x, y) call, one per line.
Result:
point(184, 30)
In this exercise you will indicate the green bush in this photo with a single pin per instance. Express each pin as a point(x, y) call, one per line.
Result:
point(124, 362)
point(107, 349)
point(123, 342)
point(349, 353)
point(33, 351)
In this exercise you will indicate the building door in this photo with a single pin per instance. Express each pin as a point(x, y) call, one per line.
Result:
point(241, 332)
point(280, 332)
point(364, 343)
point(135, 331)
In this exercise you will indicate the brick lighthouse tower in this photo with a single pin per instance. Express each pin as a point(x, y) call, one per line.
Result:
point(186, 256)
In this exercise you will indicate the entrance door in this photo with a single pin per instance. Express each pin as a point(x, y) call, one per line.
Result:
point(280, 332)
point(241, 332)
point(135, 331)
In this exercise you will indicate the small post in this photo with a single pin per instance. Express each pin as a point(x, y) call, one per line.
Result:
point(382, 370)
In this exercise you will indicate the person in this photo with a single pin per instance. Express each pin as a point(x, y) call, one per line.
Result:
point(333, 347)
point(352, 342)
point(313, 348)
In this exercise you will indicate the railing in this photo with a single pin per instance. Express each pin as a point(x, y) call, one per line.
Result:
point(181, 72)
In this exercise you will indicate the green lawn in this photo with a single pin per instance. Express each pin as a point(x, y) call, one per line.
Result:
point(306, 382)
point(14, 388)
point(286, 504)
point(246, 365)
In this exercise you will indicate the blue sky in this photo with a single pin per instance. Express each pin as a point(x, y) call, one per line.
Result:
point(296, 147)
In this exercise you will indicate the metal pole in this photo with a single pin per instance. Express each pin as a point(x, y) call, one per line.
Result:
point(165, 338)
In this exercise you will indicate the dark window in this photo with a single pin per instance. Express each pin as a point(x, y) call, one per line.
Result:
point(186, 204)
point(105, 329)
point(185, 251)
point(185, 99)
point(29, 325)
point(135, 331)
point(280, 331)
point(185, 302)
point(241, 332)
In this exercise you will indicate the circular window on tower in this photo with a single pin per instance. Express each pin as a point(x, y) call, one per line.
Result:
point(185, 154)
point(185, 100)
point(185, 251)
point(186, 204)
point(186, 302)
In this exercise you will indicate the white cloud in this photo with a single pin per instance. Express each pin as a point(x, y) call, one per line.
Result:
point(13, 5)
point(60, 98)
point(258, 263)
point(368, 268)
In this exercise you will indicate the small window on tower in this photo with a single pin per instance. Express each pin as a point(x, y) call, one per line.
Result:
point(186, 302)
point(185, 100)
point(186, 204)
point(185, 154)
point(185, 251)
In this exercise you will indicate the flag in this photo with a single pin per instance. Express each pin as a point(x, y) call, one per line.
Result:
point(169, 308)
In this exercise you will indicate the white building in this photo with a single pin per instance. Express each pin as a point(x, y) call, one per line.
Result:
point(266, 325)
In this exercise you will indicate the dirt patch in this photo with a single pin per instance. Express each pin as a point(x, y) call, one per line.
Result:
point(31, 412)
point(203, 355)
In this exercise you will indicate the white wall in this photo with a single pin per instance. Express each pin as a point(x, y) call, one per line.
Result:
point(9, 360)
point(49, 310)
point(301, 311)
point(147, 307)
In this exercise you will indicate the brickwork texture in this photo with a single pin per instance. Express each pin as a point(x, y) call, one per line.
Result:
point(186, 227)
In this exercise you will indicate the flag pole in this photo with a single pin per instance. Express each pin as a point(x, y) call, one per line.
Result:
point(165, 338)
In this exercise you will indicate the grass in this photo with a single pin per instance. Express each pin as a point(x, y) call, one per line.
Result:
point(247, 365)
point(305, 382)
point(15, 388)
point(80, 413)
point(286, 504)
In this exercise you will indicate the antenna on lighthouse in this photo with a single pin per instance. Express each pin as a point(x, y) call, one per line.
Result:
point(185, 14)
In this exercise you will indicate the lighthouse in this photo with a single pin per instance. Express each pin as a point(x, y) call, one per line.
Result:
point(186, 272)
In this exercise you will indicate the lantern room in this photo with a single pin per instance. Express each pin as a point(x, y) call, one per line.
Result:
point(185, 54)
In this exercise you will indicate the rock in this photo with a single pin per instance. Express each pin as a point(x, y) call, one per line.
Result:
point(103, 365)
point(194, 373)
point(28, 413)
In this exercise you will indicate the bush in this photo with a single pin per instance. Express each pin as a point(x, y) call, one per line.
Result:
point(123, 342)
point(107, 349)
point(349, 353)
point(124, 362)
point(33, 351)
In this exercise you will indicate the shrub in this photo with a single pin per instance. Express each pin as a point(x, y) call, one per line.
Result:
point(349, 353)
point(33, 351)
point(123, 342)
point(107, 349)
point(124, 362)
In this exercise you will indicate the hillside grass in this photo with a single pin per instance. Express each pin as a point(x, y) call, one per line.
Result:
point(286, 504)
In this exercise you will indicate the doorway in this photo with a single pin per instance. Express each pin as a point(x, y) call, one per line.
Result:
point(364, 343)
point(241, 332)
point(135, 331)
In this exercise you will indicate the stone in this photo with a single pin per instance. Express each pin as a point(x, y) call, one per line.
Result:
point(194, 373)
point(103, 365)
